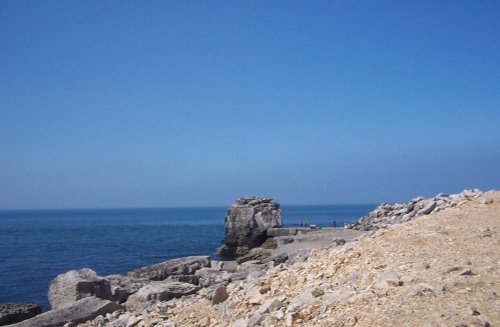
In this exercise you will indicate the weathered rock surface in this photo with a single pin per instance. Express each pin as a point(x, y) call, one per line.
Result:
point(441, 269)
point(75, 285)
point(159, 291)
point(246, 224)
point(273, 232)
point(75, 312)
point(123, 286)
point(207, 277)
point(386, 214)
point(220, 295)
point(12, 313)
point(181, 266)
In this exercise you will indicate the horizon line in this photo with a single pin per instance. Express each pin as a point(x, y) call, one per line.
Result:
point(173, 207)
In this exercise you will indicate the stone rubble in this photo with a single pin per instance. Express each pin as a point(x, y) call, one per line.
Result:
point(386, 214)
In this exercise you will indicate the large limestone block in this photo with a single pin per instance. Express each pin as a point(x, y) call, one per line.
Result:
point(123, 286)
point(159, 291)
point(75, 312)
point(181, 266)
point(209, 277)
point(246, 224)
point(75, 285)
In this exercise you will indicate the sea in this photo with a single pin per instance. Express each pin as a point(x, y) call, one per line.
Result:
point(38, 245)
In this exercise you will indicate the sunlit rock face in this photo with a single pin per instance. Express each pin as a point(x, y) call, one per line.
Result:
point(246, 224)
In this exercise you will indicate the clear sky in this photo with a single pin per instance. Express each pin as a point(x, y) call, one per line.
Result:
point(187, 103)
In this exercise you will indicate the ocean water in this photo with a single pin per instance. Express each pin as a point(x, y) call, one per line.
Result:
point(37, 245)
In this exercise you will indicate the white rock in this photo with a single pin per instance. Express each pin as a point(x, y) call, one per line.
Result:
point(75, 285)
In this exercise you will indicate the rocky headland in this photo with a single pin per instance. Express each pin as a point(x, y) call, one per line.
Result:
point(405, 266)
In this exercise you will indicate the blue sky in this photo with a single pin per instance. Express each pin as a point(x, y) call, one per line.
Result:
point(187, 103)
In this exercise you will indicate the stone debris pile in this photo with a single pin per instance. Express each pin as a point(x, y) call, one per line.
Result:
point(388, 214)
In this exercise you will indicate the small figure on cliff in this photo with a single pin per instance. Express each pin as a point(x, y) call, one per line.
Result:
point(334, 223)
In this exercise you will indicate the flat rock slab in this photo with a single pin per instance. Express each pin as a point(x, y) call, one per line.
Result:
point(159, 291)
point(76, 312)
point(181, 266)
point(315, 239)
point(12, 313)
point(272, 232)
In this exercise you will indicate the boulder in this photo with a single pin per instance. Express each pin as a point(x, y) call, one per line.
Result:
point(159, 291)
point(181, 266)
point(229, 266)
point(209, 277)
point(216, 264)
point(74, 312)
point(282, 240)
point(277, 259)
point(123, 286)
point(77, 284)
point(190, 279)
point(428, 207)
point(246, 224)
point(220, 295)
point(258, 253)
point(12, 313)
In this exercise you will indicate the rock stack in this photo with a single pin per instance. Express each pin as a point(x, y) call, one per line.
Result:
point(388, 214)
point(246, 224)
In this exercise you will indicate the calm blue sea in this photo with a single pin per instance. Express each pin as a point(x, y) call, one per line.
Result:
point(37, 245)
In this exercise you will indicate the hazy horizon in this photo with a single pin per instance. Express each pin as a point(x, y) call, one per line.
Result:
point(184, 207)
point(175, 104)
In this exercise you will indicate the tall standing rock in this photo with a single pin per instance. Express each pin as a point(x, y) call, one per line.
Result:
point(246, 224)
